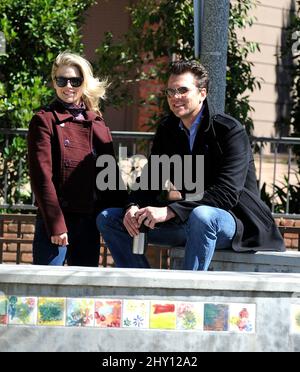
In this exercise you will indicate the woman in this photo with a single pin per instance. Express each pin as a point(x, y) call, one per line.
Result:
point(64, 142)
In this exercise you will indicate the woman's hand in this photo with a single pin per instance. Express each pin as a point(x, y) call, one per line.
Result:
point(61, 239)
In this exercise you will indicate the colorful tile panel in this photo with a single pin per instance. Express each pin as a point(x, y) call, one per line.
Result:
point(163, 315)
point(3, 310)
point(80, 312)
point(51, 311)
point(216, 317)
point(190, 316)
point(108, 313)
point(135, 314)
point(295, 319)
point(22, 310)
point(242, 318)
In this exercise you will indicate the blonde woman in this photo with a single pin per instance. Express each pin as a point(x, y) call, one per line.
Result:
point(64, 142)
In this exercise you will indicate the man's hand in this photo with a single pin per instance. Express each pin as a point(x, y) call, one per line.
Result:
point(150, 216)
point(130, 221)
point(61, 239)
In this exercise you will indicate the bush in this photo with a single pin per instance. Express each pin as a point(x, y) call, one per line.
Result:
point(35, 32)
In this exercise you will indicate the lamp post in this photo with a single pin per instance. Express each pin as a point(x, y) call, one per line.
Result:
point(211, 42)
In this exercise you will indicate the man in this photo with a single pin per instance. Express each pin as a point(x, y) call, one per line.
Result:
point(229, 214)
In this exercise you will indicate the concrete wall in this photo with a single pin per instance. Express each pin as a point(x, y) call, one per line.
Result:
point(273, 301)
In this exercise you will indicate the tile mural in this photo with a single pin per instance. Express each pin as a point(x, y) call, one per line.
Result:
point(132, 313)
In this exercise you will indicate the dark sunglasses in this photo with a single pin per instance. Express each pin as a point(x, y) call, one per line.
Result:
point(63, 81)
point(170, 92)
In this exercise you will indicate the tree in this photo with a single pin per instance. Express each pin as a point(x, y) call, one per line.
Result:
point(35, 32)
point(162, 29)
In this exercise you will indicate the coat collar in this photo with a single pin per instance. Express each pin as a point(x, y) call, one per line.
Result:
point(62, 115)
point(206, 121)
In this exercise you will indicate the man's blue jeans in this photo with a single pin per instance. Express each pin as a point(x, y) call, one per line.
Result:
point(206, 229)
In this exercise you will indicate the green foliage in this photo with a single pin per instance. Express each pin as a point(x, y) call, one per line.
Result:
point(239, 71)
point(283, 194)
point(161, 29)
point(35, 32)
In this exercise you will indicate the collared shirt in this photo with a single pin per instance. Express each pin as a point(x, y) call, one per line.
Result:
point(192, 132)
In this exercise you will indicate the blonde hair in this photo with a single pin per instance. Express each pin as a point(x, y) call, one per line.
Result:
point(93, 88)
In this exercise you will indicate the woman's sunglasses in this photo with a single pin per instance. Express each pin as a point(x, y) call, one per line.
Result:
point(63, 81)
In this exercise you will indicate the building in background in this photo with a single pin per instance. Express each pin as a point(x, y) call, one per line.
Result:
point(271, 103)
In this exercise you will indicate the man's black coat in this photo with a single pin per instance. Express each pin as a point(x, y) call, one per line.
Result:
point(229, 178)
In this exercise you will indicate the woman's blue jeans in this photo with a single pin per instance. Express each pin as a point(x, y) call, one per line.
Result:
point(83, 248)
point(206, 229)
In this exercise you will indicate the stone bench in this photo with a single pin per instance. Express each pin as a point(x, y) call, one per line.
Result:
point(229, 260)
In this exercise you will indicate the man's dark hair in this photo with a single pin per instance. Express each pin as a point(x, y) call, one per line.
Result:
point(195, 67)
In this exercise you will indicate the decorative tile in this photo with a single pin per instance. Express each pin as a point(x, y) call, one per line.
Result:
point(242, 318)
point(108, 313)
point(216, 317)
point(51, 311)
point(3, 310)
point(163, 315)
point(295, 319)
point(80, 312)
point(22, 310)
point(189, 316)
point(136, 314)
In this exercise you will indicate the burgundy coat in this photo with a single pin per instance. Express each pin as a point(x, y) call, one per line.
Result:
point(62, 154)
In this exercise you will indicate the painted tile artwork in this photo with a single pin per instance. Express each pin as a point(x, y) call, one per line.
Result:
point(162, 315)
point(242, 318)
point(80, 312)
point(3, 310)
point(135, 314)
point(216, 317)
point(295, 319)
point(51, 311)
point(22, 310)
point(190, 316)
point(108, 313)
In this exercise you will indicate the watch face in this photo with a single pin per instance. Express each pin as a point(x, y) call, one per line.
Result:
point(2, 43)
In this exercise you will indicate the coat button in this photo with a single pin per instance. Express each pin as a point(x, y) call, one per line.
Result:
point(66, 142)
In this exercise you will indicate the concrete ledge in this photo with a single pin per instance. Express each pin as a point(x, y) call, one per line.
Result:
point(228, 260)
point(151, 281)
point(274, 296)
